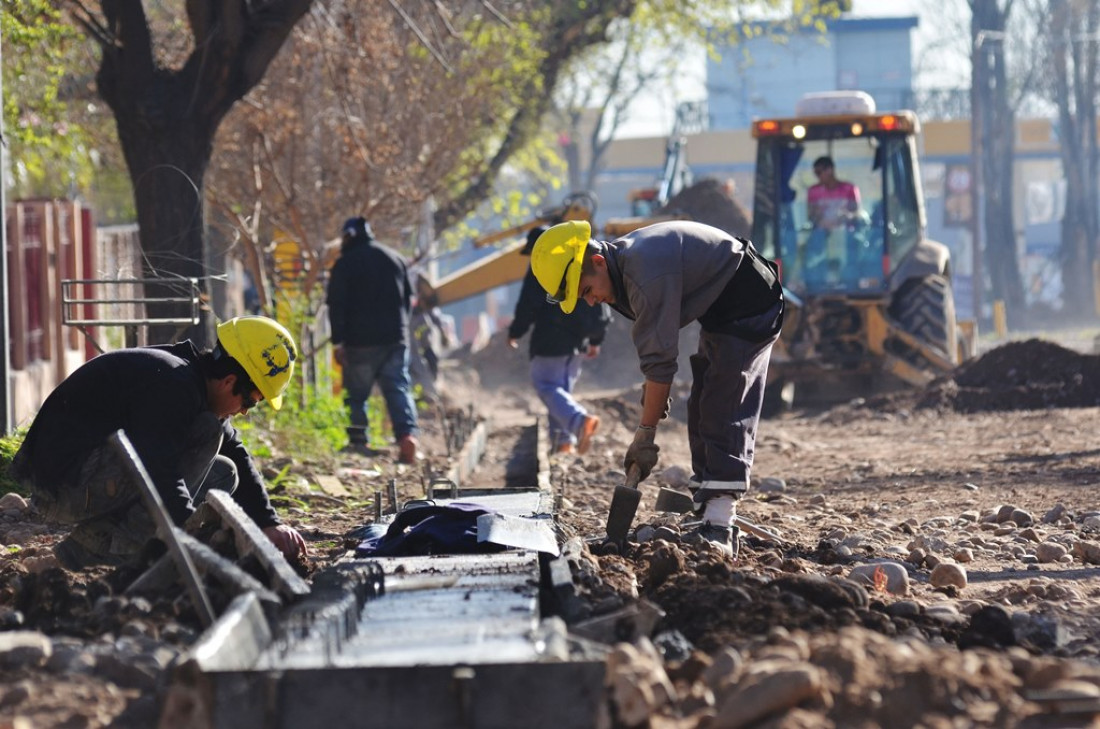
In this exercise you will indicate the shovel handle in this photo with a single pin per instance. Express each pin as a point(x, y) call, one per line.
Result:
point(633, 476)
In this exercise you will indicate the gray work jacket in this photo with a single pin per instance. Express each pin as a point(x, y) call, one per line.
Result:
point(668, 275)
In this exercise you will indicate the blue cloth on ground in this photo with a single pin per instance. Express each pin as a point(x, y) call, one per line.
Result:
point(425, 530)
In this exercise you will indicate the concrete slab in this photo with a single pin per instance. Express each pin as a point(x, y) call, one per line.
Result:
point(250, 540)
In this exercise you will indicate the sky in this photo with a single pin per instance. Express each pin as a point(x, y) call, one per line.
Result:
point(652, 114)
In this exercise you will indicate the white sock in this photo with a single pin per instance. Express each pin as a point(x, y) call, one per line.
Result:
point(720, 511)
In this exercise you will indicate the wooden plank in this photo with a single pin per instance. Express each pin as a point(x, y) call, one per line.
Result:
point(331, 485)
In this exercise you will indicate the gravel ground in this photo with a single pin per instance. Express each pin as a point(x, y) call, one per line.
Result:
point(939, 564)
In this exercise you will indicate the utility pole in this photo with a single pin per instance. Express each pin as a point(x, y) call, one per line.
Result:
point(5, 361)
point(977, 77)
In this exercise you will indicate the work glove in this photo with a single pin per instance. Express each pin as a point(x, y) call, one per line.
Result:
point(642, 452)
point(668, 403)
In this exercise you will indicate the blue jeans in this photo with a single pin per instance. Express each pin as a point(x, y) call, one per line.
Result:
point(554, 378)
point(389, 367)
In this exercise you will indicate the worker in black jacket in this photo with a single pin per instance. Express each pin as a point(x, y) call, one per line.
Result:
point(174, 403)
point(369, 305)
point(559, 343)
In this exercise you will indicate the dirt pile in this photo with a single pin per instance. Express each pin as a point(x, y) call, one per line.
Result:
point(710, 201)
point(1033, 374)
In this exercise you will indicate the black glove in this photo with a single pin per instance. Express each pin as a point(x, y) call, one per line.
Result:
point(668, 403)
point(642, 452)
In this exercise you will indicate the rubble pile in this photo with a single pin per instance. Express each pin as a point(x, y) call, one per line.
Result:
point(710, 201)
point(1032, 374)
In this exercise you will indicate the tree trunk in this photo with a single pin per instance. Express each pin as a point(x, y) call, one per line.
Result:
point(998, 136)
point(167, 119)
point(167, 163)
point(1075, 89)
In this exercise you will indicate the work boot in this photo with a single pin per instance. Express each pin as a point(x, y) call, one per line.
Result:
point(588, 429)
point(721, 537)
point(407, 446)
point(87, 545)
point(360, 449)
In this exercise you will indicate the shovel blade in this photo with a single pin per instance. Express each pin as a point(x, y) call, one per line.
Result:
point(624, 504)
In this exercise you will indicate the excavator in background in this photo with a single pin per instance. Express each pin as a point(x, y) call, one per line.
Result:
point(871, 307)
point(691, 118)
point(509, 265)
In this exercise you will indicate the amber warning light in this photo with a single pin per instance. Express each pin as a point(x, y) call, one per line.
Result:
point(768, 126)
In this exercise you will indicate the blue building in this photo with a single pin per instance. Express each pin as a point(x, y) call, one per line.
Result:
point(766, 74)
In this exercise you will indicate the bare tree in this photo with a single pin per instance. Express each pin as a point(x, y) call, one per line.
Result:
point(168, 106)
point(595, 99)
point(170, 87)
point(1073, 38)
point(370, 119)
point(993, 104)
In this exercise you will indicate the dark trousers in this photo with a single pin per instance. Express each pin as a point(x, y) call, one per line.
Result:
point(105, 504)
point(727, 394)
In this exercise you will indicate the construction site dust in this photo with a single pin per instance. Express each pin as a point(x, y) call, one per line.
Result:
point(953, 590)
point(935, 563)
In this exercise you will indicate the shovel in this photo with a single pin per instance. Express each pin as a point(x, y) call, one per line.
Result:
point(624, 504)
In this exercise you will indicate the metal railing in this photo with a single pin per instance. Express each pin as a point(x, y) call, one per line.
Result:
point(122, 302)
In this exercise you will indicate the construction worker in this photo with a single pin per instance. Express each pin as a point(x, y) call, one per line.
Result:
point(559, 344)
point(663, 277)
point(369, 307)
point(174, 403)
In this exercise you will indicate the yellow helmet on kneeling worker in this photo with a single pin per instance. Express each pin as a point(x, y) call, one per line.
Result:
point(557, 258)
point(266, 351)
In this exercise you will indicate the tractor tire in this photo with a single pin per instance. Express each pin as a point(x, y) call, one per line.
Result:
point(925, 307)
point(778, 398)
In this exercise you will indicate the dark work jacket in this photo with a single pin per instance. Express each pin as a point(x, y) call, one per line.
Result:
point(556, 333)
point(154, 394)
point(369, 296)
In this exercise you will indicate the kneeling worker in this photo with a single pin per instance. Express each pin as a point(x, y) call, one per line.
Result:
point(663, 277)
point(174, 403)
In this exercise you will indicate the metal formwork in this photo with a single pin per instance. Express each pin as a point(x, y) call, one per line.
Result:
point(426, 642)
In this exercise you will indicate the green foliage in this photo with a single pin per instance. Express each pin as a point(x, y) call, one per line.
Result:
point(311, 421)
point(49, 147)
point(534, 182)
point(9, 444)
point(284, 501)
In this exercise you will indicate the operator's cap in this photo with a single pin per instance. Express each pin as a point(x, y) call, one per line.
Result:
point(556, 261)
point(357, 227)
point(266, 351)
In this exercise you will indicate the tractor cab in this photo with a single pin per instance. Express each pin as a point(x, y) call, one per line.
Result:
point(838, 205)
point(837, 199)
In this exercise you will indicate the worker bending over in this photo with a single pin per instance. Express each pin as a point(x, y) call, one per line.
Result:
point(663, 277)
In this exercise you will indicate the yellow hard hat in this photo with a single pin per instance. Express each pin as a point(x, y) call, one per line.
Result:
point(556, 261)
point(266, 351)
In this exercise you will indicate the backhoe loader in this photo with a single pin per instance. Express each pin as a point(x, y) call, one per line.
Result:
point(838, 204)
point(509, 265)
